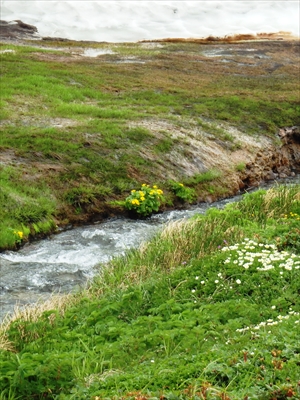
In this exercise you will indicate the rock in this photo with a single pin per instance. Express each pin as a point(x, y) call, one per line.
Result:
point(283, 176)
point(270, 176)
point(290, 135)
point(17, 30)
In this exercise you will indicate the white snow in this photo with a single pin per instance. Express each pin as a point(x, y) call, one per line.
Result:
point(131, 21)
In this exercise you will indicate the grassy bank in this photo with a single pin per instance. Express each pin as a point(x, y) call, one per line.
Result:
point(74, 133)
point(209, 309)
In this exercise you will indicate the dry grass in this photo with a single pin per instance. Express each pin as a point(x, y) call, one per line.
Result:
point(231, 39)
point(277, 201)
point(32, 313)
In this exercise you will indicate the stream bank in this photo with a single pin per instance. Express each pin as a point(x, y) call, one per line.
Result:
point(64, 262)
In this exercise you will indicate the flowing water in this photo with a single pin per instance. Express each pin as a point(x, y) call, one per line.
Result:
point(67, 260)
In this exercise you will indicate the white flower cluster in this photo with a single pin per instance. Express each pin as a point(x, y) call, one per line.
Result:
point(270, 322)
point(248, 252)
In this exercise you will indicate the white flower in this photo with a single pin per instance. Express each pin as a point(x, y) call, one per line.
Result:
point(216, 281)
point(238, 282)
point(202, 282)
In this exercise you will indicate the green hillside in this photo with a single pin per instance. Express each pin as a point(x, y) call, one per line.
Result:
point(77, 134)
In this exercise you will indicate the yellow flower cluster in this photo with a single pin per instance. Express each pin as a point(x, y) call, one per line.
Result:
point(144, 201)
point(292, 215)
point(157, 191)
point(19, 233)
point(142, 193)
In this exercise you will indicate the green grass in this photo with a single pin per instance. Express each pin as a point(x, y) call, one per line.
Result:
point(73, 123)
point(197, 313)
point(25, 208)
point(203, 177)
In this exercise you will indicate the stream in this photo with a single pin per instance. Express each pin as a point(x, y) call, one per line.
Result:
point(65, 261)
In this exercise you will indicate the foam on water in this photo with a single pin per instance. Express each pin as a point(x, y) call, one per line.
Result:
point(96, 52)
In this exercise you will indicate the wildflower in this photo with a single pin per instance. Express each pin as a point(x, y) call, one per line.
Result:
point(196, 277)
point(135, 202)
point(19, 233)
point(238, 282)
point(216, 281)
point(154, 187)
point(202, 282)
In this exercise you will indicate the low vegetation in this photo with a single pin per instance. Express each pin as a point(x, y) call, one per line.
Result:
point(73, 132)
point(209, 309)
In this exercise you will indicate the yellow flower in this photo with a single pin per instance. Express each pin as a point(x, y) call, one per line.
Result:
point(159, 191)
point(141, 193)
point(19, 233)
point(133, 191)
point(144, 184)
point(181, 184)
point(135, 202)
point(154, 187)
point(152, 192)
point(142, 198)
